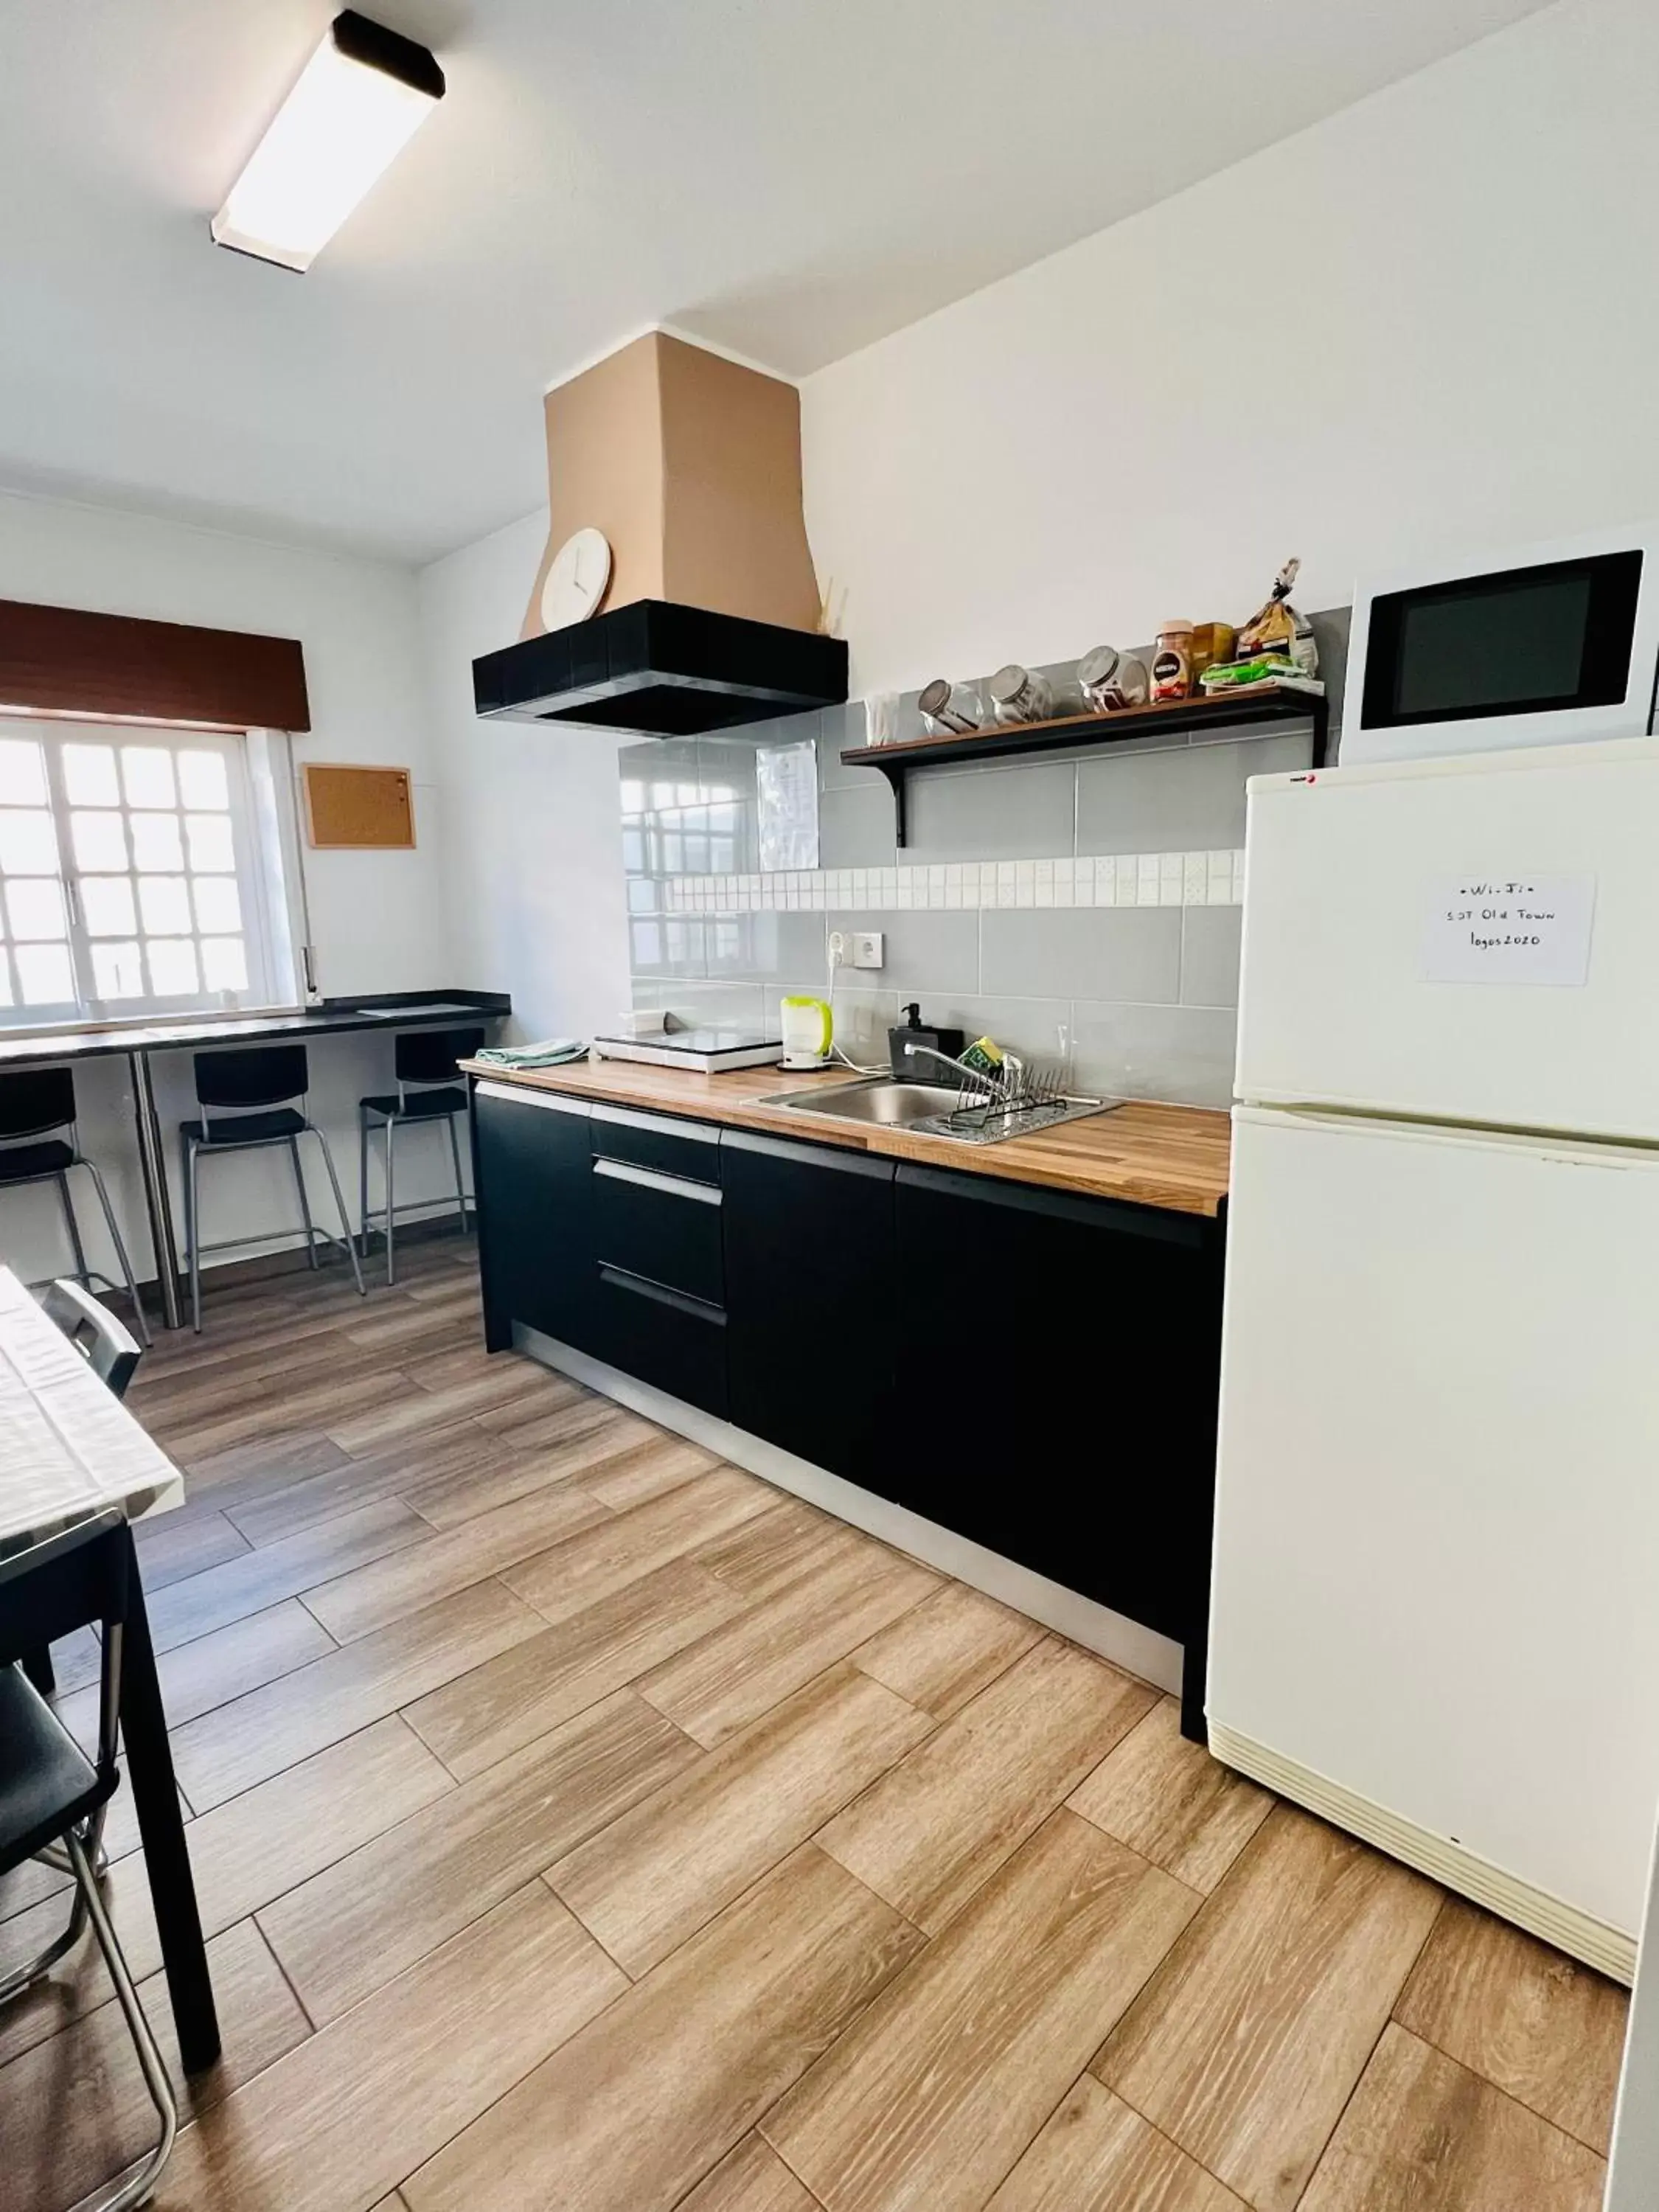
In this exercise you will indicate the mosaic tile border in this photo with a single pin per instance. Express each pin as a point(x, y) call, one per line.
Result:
point(1207, 878)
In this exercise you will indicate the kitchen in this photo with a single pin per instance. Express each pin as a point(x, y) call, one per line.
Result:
point(850, 1382)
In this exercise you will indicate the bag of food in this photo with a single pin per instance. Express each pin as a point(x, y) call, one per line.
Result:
point(1278, 627)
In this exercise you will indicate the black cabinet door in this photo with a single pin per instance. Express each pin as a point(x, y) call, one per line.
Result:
point(1066, 1352)
point(532, 1173)
point(809, 1292)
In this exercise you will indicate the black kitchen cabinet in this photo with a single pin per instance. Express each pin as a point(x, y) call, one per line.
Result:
point(809, 1293)
point(532, 1173)
point(1070, 1348)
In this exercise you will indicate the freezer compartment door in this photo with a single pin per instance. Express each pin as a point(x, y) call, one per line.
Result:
point(1387, 962)
point(1436, 1545)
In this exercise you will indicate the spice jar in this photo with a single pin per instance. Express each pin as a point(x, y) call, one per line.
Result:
point(1109, 679)
point(951, 709)
point(1172, 660)
point(1017, 696)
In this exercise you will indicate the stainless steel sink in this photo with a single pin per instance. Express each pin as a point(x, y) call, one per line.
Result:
point(894, 1105)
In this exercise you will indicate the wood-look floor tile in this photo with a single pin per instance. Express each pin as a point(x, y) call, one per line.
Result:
point(470, 1362)
point(277, 1511)
point(511, 1699)
point(388, 1589)
point(173, 1545)
point(416, 1412)
point(249, 1471)
point(740, 1671)
point(74, 2113)
point(411, 1315)
point(1170, 1800)
point(927, 1835)
point(750, 2179)
point(633, 1473)
point(1249, 2042)
point(76, 1659)
point(341, 2119)
point(655, 1875)
point(1096, 2155)
point(585, 1568)
point(777, 1547)
point(930, 2098)
point(243, 1855)
point(948, 1648)
point(1424, 2135)
point(260, 1409)
point(502, 1470)
point(215, 1668)
point(369, 1915)
point(271, 1573)
point(1545, 2029)
point(271, 1729)
point(640, 2105)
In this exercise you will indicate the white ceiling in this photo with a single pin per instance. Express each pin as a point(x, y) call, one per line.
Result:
point(791, 178)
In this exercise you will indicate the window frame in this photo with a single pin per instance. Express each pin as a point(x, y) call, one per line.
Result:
point(247, 871)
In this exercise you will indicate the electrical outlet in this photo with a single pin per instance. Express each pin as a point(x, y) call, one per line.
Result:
point(866, 948)
point(838, 948)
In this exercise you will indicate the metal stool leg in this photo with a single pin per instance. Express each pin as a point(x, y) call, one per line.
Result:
point(461, 1185)
point(339, 1205)
point(192, 1231)
point(79, 1249)
point(305, 1203)
point(120, 1249)
point(391, 1257)
point(90, 1902)
point(362, 1180)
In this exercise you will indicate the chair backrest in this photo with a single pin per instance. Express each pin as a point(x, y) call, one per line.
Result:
point(111, 1350)
point(47, 1588)
point(429, 1055)
point(35, 1099)
point(265, 1075)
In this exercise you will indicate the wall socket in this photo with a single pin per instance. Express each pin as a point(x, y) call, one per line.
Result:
point(867, 948)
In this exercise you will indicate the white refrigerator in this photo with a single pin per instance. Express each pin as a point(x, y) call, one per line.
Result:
point(1436, 1602)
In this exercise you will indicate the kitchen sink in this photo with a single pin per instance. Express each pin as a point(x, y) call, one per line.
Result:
point(885, 1100)
point(933, 1109)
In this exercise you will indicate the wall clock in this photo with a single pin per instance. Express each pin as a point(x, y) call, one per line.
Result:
point(576, 579)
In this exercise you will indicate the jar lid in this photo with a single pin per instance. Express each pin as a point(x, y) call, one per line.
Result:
point(1098, 666)
point(1008, 681)
point(934, 695)
point(1175, 627)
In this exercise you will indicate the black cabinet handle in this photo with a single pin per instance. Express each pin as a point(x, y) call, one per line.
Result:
point(671, 1186)
point(620, 1279)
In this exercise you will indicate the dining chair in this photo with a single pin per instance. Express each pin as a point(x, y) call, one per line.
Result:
point(52, 1794)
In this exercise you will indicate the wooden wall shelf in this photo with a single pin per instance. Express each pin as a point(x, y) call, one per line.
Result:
point(1250, 710)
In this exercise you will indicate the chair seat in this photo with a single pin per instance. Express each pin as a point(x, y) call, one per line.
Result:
point(418, 1106)
point(247, 1128)
point(22, 1163)
point(47, 1783)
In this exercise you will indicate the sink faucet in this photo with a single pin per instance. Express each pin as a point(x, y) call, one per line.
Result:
point(971, 1077)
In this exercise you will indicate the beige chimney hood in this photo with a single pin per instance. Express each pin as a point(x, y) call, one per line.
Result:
point(689, 464)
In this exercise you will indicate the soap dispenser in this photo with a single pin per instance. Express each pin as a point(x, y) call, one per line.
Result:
point(911, 1032)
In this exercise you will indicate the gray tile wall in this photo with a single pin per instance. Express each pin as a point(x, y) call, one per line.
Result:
point(1144, 996)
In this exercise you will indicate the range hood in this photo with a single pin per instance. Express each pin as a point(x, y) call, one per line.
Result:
point(689, 466)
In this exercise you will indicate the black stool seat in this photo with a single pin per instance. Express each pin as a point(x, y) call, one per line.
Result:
point(415, 1105)
point(47, 1783)
point(247, 1128)
point(22, 1163)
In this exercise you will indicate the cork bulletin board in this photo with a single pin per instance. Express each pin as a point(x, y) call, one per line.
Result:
point(357, 809)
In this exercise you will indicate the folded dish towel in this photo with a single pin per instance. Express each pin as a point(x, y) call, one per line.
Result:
point(553, 1052)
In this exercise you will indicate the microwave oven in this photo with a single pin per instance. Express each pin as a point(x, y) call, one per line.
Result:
point(1547, 646)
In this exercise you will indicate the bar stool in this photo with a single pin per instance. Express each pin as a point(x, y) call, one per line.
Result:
point(53, 1798)
point(252, 1094)
point(428, 1091)
point(38, 1104)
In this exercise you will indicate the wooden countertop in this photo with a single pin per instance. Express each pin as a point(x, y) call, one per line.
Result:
point(1173, 1157)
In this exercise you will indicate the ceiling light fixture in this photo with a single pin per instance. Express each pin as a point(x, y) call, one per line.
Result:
point(358, 101)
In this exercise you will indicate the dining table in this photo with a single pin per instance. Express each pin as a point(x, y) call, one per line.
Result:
point(70, 1450)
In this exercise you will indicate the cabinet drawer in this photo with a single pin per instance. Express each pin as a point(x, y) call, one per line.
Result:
point(664, 1227)
point(690, 1149)
point(662, 1337)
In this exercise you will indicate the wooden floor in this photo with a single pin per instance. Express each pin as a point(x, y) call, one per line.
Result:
point(581, 1824)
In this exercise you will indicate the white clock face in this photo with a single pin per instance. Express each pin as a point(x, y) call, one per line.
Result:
point(576, 580)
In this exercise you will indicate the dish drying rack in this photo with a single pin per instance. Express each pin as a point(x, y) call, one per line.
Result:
point(1018, 1100)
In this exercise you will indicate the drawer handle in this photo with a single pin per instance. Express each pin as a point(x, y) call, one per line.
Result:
point(620, 1279)
point(520, 1094)
point(650, 1179)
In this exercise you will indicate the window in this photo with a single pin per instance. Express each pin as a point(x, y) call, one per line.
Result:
point(129, 879)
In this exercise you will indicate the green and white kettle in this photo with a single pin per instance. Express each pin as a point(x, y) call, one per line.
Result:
point(808, 1026)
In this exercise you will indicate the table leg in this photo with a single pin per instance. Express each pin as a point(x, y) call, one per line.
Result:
point(158, 1205)
point(166, 1855)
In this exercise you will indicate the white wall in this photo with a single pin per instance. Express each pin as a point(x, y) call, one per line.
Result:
point(530, 814)
point(378, 920)
point(1427, 322)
